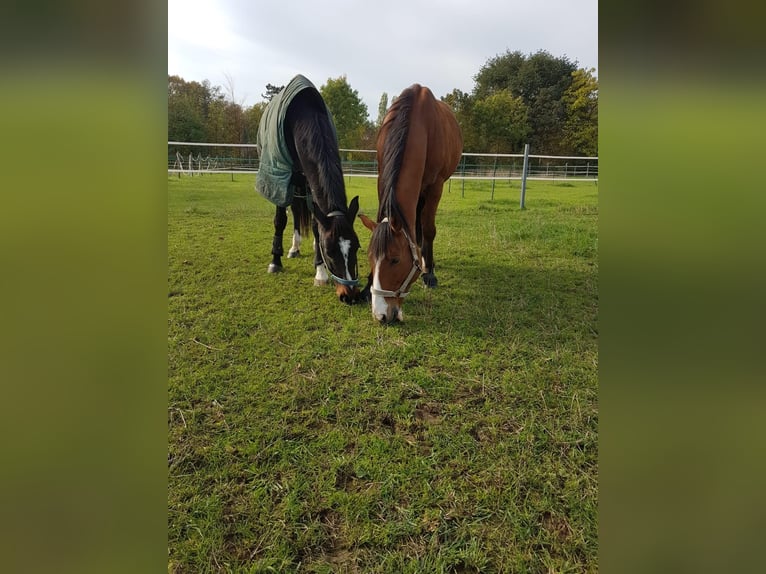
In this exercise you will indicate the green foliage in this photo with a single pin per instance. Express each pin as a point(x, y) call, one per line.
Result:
point(581, 101)
point(271, 91)
point(200, 112)
point(538, 83)
point(539, 99)
point(382, 107)
point(303, 436)
point(501, 121)
point(252, 118)
point(348, 110)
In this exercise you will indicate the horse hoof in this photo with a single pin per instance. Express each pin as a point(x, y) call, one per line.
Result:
point(430, 280)
point(274, 268)
point(320, 282)
point(292, 254)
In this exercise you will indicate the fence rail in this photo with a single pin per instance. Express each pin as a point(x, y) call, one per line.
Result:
point(243, 159)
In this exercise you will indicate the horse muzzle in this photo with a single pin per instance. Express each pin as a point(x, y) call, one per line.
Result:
point(347, 294)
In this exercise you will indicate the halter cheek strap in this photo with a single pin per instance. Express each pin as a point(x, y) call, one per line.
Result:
point(339, 280)
point(403, 290)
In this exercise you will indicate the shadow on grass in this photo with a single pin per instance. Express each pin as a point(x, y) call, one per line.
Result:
point(502, 300)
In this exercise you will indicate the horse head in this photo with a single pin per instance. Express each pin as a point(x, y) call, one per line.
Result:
point(395, 263)
point(338, 245)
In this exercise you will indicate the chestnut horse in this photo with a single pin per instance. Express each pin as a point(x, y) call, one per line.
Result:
point(419, 146)
point(300, 166)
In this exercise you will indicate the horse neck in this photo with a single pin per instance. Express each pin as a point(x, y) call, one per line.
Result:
point(317, 152)
point(326, 181)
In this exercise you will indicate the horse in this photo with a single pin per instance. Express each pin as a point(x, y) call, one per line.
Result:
point(300, 166)
point(419, 146)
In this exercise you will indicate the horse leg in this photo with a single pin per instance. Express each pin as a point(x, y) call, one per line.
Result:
point(280, 222)
point(428, 228)
point(295, 248)
point(321, 277)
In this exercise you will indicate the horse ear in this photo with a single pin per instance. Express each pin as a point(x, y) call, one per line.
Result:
point(368, 223)
point(353, 207)
point(323, 220)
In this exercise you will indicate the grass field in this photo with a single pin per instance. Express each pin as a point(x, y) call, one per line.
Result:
point(305, 437)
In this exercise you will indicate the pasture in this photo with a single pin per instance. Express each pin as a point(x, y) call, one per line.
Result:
point(305, 437)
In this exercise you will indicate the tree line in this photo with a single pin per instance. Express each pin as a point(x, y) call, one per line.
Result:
point(539, 99)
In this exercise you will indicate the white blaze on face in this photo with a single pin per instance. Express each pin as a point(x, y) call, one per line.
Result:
point(345, 249)
point(379, 306)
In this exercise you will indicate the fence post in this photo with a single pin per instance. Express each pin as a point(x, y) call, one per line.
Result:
point(462, 193)
point(524, 174)
point(494, 172)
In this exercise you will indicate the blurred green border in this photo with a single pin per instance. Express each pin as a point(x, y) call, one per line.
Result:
point(84, 312)
point(681, 289)
point(83, 256)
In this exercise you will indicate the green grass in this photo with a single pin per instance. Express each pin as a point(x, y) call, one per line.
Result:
point(305, 437)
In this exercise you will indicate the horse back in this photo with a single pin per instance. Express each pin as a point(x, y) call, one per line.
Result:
point(442, 138)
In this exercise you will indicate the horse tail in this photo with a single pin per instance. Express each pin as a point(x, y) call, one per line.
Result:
point(302, 215)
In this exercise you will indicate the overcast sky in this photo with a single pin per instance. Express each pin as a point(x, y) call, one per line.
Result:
point(379, 46)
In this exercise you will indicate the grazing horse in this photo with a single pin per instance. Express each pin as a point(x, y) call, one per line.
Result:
point(300, 166)
point(419, 146)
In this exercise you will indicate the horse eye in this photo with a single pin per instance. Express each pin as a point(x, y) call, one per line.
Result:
point(394, 261)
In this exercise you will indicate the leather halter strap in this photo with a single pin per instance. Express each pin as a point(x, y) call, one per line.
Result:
point(339, 280)
point(401, 293)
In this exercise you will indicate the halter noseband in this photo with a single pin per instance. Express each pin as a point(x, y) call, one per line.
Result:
point(340, 280)
point(401, 293)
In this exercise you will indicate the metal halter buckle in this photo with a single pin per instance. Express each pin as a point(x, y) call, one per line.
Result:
point(401, 293)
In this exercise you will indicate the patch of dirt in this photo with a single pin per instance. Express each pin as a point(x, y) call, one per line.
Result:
point(556, 525)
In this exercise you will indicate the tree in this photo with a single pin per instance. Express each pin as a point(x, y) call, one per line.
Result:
point(462, 104)
point(188, 106)
point(348, 110)
point(499, 73)
point(540, 80)
point(501, 121)
point(382, 107)
point(581, 126)
point(252, 118)
point(271, 91)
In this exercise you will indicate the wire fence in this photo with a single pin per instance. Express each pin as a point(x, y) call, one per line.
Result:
point(193, 158)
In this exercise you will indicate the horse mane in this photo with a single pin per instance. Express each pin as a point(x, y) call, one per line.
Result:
point(313, 127)
point(397, 126)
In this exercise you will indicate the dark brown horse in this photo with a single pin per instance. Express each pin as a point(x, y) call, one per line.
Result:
point(300, 166)
point(419, 146)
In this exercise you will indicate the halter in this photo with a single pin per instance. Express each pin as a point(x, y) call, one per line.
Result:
point(401, 293)
point(340, 280)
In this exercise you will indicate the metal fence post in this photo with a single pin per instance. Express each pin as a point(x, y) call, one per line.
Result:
point(494, 172)
point(462, 193)
point(524, 174)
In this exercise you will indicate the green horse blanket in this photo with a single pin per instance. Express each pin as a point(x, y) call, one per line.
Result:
point(275, 171)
